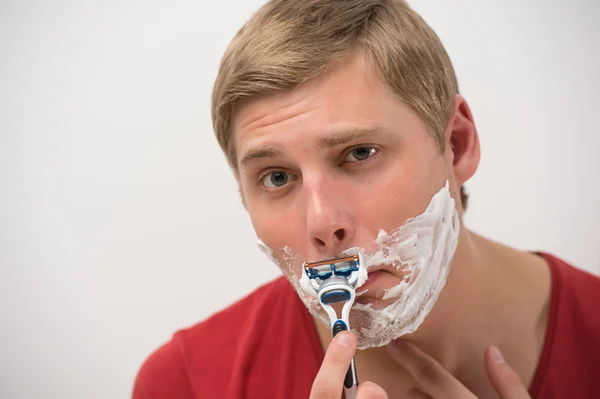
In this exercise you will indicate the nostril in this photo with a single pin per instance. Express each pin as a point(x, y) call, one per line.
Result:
point(319, 242)
point(329, 239)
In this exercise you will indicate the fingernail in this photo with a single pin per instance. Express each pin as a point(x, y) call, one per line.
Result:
point(344, 340)
point(496, 355)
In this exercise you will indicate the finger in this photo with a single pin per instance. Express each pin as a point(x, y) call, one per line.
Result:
point(504, 379)
point(330, 379)
point(431, 377)
point(370, 390)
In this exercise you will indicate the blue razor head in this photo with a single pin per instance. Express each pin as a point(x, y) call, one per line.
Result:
point(334, 296)
point(332, 267)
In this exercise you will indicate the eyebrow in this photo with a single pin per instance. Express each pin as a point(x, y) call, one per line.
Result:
point(260, 153)
point(342, 137)
point(347, 136)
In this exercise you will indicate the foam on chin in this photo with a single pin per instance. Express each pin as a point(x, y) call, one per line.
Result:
point(422, 249)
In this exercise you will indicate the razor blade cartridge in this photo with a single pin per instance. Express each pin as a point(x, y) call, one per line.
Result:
point(332, 267)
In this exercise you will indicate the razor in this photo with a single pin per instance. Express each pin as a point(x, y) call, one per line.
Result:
point(334, 281)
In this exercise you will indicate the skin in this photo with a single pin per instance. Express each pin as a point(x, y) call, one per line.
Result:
point(327, 165)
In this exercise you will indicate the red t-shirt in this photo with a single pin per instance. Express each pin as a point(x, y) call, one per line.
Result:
point(266, 346)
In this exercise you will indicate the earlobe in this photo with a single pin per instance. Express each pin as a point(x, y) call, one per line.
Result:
point(463, 140)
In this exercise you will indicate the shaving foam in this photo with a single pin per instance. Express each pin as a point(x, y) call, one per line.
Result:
point(421, 249)
point(363, 275)
point(305, 285)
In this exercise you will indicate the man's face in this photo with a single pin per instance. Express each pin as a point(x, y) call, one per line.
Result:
point(328, 165)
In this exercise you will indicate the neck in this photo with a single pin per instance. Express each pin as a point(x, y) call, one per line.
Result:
point(493, 295)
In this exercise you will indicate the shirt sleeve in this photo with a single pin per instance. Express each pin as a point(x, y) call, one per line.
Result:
point(163, 375)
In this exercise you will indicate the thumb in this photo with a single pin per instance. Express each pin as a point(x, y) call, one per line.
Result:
point(504, 379)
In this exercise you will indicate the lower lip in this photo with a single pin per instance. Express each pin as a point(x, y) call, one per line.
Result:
point(373, 277)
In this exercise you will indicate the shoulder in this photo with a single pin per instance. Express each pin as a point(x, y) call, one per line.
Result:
point(573, 287)
point(203, 355)
point(163, 375)
point(571, 335)
point(575, 297)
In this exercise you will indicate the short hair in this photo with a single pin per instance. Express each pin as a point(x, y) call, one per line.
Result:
point(288, 42)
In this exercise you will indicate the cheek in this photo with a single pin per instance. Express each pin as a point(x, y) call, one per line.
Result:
point(402, 192)
point(388, 206)
point(278, 229)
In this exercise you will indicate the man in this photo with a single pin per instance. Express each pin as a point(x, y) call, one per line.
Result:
point(343, 124)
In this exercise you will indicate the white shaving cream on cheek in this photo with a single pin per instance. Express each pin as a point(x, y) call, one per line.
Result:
point(422, 249)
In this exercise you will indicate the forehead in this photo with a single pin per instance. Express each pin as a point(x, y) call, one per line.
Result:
point(344, 83)
point(349, 96)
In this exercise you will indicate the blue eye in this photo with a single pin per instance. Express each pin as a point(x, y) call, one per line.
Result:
point(275, 179)
point(360, 154)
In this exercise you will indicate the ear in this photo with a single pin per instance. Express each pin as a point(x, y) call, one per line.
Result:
point(462, 141)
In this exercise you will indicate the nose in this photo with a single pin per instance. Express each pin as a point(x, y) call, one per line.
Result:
point(329, 223)
point(330, 237)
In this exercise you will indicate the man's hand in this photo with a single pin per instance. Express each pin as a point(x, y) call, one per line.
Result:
point(432, 378)
point(436, 382)
point(330, 379)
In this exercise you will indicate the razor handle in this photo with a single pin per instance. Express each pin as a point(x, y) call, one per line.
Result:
point(350, 381)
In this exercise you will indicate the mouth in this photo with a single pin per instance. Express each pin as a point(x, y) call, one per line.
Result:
point(380, 276)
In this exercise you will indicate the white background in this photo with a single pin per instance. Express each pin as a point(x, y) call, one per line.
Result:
point(120, 221)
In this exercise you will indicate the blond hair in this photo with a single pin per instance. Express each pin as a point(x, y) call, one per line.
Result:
point(288, 42)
